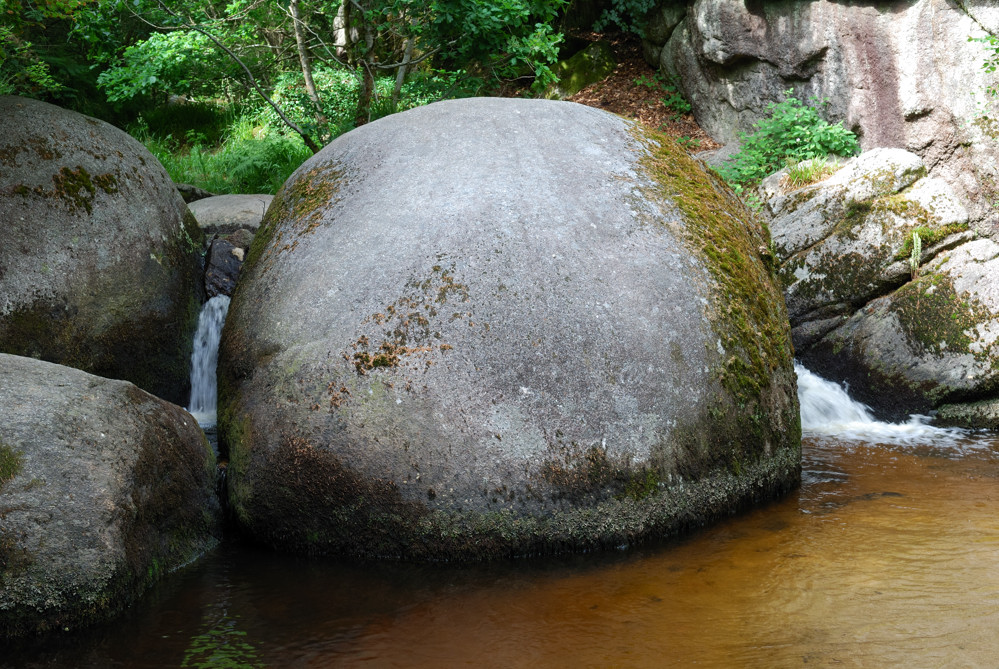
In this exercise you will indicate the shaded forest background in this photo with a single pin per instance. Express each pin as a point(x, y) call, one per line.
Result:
point(232, 96)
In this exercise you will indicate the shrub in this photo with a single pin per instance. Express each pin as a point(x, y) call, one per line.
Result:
point(338, 91)
point(791, 131)
point(672, 98)
point(209, 120)
point(249, 160)
point(625, 15)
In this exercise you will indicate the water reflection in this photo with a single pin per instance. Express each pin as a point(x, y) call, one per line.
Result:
point(888, 555)
point(884, 557)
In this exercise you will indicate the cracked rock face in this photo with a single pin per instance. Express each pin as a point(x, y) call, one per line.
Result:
point(901, 77)
point(907, 339)
point(495, 327)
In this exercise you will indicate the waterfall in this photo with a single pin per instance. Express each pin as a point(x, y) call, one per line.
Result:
point(204, 360)
point(827, 410)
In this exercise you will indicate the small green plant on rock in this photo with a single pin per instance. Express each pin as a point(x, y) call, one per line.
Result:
point(791, 132)
point(806, 172)
point(928, 237)
point(673, 98)
point(687, 142)
point(916, 255)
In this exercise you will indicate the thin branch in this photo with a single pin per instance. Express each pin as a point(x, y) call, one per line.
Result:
point(309, 142)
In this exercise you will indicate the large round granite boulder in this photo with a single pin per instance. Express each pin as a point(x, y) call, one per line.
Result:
point(99, 265)
point(104, 489)
point(497, 327)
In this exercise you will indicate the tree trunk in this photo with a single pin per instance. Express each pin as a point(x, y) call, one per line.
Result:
point(343, 35)
point(400, 73)
point(303, 57)
point(367, 65)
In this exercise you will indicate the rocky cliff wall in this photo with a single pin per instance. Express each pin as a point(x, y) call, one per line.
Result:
point(900, 74)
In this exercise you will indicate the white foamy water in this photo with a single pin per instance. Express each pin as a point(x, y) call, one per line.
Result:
point(204, 360)
point(827, 410)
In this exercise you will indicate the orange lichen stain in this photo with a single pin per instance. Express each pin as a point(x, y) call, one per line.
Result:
point(408, 328)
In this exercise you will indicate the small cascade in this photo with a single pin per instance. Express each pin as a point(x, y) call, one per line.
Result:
point(204, 360)
point(827, 410)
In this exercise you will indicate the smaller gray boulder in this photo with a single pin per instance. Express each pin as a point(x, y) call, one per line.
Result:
point(100, 258)
point(225, 214)
point(659, 26)
point(104, 489)
point(222, 268)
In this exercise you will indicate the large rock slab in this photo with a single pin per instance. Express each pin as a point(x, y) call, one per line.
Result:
point(104, 489)
point(496, 327)
point(225, 214)
point(906, 77)
point(906, 338)
point(99, 267)
point(931, 342)
point(847, 239)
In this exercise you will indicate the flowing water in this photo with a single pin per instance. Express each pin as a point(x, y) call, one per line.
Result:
point(204, 360)
point(888, 555)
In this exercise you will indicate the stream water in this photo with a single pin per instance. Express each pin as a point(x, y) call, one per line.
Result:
point(205, 358)
point(888, 555)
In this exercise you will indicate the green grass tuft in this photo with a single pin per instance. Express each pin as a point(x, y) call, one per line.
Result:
point(11, 463)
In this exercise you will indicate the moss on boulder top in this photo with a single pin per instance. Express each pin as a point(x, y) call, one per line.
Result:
point(99, 266)
point(497, 327)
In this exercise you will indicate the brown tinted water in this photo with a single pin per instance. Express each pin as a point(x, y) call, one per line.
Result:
point(887, 556)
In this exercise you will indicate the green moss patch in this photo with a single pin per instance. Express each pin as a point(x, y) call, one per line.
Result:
point(934, 317)
point(76, 187)
point(589, 66)
point(11, 463)
point(756, 417)
point(929, 237)
point(296, 210)
point(749, 318)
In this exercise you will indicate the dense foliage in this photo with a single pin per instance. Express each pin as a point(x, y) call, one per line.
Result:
point(287, 76)
point(627, 15)
point(792, 132)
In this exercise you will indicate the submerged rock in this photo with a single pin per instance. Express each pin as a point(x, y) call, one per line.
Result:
point(493, 327)
point(104, 489)
point(222, 268)
point(99, 267)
